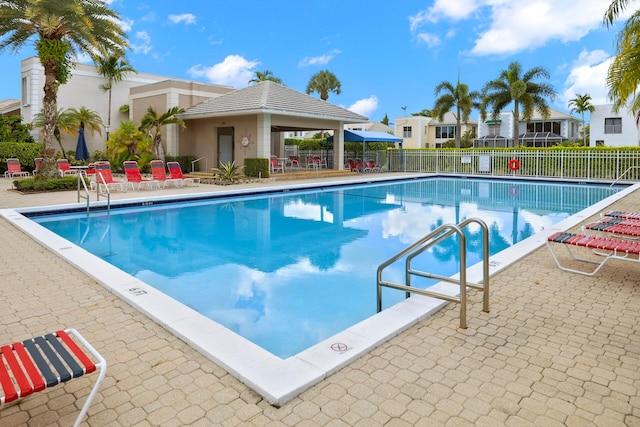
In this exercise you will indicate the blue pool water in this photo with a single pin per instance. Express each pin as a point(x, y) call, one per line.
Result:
point(289, 269)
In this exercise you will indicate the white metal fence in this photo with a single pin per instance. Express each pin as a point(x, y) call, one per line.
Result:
point(621, 165)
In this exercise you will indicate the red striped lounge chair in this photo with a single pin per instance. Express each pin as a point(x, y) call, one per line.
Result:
point(159, 174)
point(294, 162)
point(64, 168)
point(275, 165)
point(45, 361)
point(133, 176)
point(621, 214)
point(175, 171)
point(616, 227)
point(603, 248)
point(37, 162)
point(14, 169)
point(104, 178)
point(370, 166)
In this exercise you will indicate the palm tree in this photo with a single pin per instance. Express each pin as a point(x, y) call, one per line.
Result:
point(515, 86)
point(623, 77)
point(63, 28)
point(424, 113)
point(457, 97)
point(267, 75)
point(152, 122)
point(113, 66)
point(61, 123)
point(69, 121)
point(580, 104)
point(128, 142)
point(324, 82)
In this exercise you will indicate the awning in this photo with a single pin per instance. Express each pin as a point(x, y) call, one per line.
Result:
point(367, 136)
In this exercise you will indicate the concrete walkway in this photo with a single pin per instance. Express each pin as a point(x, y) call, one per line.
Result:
point(557, 349)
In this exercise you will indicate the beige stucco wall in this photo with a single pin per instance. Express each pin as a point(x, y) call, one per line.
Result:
point(200, 138)
point(139, 90)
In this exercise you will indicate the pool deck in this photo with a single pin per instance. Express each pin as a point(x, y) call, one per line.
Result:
point(556, 349)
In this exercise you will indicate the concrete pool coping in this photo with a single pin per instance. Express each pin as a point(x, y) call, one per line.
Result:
point(276, 379)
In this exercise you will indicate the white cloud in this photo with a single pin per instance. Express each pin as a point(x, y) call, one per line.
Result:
point(588, 75)
point(234, 71)
point(516, 26)
point(125, 24)
point(319, 60)
point(365, 106)
point(512, 26)
point(430, 40)
point(142, 43)
point(187, 18)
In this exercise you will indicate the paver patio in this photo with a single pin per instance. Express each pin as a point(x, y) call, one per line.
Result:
point(556, 349)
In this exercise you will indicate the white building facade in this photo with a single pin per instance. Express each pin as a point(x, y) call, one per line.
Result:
point(611, 129)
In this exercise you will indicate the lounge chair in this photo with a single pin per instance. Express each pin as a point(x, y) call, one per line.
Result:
point(37, 161)
point(104, 178)
point(64, 168)
point(621, 214)
point(294, 162)
point(275, 165)
point(616, 227)
point(604, 248)
point(175, 171)
point(311, 162)
point(370, 166)
point(35, 364)
point(14, 169)
point(352, 165)
point(319, 162)
point(133, 176)
point(159, 174)
point(91, 170)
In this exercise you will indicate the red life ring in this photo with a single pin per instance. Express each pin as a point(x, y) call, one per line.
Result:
point(514, 191)
point(514, 164)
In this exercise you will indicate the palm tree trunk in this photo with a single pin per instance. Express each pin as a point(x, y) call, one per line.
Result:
point(48, 168)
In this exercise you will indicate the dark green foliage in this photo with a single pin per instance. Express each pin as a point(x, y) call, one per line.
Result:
point(12, 129)
point(38, 184)
point(307, 144)
point(256, 167)
point(228, 172)
point(185, 162)
point(23, 151)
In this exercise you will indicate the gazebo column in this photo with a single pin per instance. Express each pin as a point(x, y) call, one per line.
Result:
point(338, 147)
point(264, 136)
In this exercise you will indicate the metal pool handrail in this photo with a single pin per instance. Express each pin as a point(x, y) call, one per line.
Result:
point(623, 174)
point(431, 239)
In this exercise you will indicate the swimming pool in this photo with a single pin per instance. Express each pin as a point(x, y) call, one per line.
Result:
point(328, 239)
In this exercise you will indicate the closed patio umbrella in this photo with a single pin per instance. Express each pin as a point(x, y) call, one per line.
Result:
point(81, 148)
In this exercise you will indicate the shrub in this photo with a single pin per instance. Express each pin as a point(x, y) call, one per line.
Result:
point(24, 151)
point(38, 184)
point(185, 162)
point(256, 167)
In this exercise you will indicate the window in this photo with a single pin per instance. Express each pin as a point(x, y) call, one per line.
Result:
point(553, 127)
point(445, 132)
point(613, 125)
point(599, 143)
point(494, 129)
point(406, 132)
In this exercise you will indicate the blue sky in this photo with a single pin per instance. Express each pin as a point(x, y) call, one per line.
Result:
point(387, 55)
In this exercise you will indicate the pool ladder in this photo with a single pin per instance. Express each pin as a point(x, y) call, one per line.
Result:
point(430, 240)
point(82, 185)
